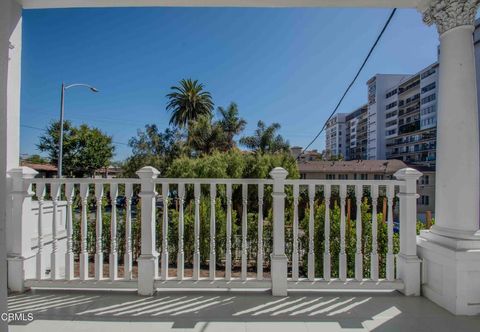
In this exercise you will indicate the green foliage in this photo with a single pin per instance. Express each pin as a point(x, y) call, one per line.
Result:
point(36, 159)
point(85, 149)
point(265, 139)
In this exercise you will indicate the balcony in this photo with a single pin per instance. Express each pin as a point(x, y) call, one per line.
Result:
point(221, 233)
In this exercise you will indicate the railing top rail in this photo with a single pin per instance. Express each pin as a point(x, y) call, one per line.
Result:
point(83, 180)
point(322, 182)
point(213, 181)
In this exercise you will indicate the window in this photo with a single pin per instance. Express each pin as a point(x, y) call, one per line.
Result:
point(424, 200)
point(428, 73)
point(425, 179)
point(378, 177)
point(391, 105)
point(429, 87)
point(330, 176)
point(391, 132)
point(391, 93)
point(391, 114)
point(343, 176)
point(363, 176)
point(430, 109)
point(428, 98)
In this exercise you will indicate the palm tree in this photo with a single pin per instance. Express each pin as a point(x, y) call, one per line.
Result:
point(188, 102)
point(231, 123)
point(205, 136)
point(265, 139)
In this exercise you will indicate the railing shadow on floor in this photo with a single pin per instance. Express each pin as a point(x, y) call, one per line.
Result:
point(379, 311)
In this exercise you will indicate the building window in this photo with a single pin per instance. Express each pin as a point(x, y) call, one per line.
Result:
point(363, 176)
point(425, 179)
point(330, 176)
point(428, 73)
point(343, 176)
point(391, 93)
point(428, 98)
point(391, 105)
point(424, 200)
point(429, 87)
point(378, 177)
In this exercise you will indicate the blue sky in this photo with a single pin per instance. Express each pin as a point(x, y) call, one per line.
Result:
point(279, 65)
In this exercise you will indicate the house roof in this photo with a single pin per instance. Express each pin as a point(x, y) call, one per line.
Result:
point(353, 166)
point(40, 167)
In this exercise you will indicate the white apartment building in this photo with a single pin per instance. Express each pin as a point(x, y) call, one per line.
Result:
point(336, 135)
point(378, 102)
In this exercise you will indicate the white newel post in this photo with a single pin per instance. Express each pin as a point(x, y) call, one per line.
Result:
point(450, 250)
point(279, 259)
point(148, 260)
point(20, 229)
point(408, 263)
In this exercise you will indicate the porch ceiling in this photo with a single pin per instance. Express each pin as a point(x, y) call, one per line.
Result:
point(39, 4)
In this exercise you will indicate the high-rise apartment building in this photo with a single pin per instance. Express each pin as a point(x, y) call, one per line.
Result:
point(399, 121)
point(357, 134)
point(336, 135)
point(411, 128)
point(377, 105)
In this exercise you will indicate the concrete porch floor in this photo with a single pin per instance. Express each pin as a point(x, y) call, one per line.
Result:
point(92, 311)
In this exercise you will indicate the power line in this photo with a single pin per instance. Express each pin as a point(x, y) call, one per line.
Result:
point(44, 130)
point(353, 81)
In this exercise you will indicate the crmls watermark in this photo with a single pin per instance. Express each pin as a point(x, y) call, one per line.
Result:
point(16, 316)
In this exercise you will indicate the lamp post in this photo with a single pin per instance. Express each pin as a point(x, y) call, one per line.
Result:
point(62, 103)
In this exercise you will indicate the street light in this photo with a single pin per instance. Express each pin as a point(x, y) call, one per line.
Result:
point(62, 98)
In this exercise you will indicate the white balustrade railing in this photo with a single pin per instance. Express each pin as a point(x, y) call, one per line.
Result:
point(291, 233)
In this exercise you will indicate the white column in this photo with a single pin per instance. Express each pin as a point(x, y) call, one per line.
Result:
point(279, 259)
point(148, 260)
point(408, 264)
point(450, 250)
point(457, 121)
point(20, 222)
point(10, 65)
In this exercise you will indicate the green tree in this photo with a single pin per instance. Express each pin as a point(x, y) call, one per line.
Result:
point(266, 139)
point(231, 123)
point(151, 147)
point(85, 149)
point(188, 102)
point(36, 159)
point(205, 136)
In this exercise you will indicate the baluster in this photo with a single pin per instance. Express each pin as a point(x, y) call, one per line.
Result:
point(40, 192)
point(244, 231)
point(213, 258)
point(181, 253)
point(84, 191)
point(99, 242)
point(113, 267)
point(228, 254)
point(164, 262)
point(296, 192)
point(128, 257)
point(326, 254)
point(54, 266)
point(260, 251)
point(374, 253)
point(358, 253)
point(69, 267)
point(390, 257)
point(196, 252)
point(311, 233)
point(343, 255)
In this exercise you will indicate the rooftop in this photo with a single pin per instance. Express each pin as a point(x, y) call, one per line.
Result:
point(353, 166)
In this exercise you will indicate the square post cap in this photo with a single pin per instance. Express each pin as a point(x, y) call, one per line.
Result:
point(148, 172)
point(22, 172)
point(279, 173)
point(408, 174)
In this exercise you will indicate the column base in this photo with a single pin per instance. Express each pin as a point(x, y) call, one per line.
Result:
point(279, 275)
point(408, 270)
point(451, 271)
point(147, 272)
point(20, 268)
